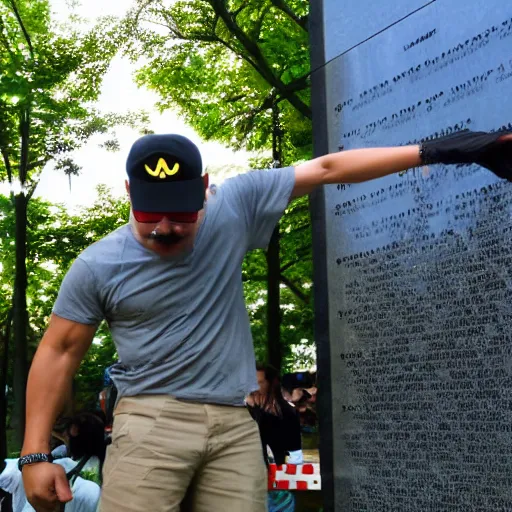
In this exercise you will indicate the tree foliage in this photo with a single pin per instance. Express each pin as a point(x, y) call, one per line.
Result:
point(224, 63)
point(295, 294)
point(49, 78)
point(55, 239)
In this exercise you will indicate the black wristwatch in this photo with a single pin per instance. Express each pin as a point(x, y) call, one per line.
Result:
point(32, 458)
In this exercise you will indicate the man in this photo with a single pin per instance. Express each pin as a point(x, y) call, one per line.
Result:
point(169, 285)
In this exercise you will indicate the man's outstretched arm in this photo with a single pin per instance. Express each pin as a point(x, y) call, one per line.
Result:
point(493, 151)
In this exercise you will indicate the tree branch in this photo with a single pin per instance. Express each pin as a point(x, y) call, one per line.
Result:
point(25, 136)
point(296, 102)
point(38, 163)
point(239, 10)
point(294, 289)
point(259, 25)
point(283, 6)
point(25, 110)
point(284, 268)
point(252, 54)
point(254, 278)
point(31, 190)
point(153, 22)
point(302, 251)
point(299, 84)
point(23, 29)
point(141, 8)
point(290, 264)
point(255, 58)
point(7, 164)
point(208, 38)
point(248, 117)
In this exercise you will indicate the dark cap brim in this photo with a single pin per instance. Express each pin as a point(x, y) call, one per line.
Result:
point(176, 196)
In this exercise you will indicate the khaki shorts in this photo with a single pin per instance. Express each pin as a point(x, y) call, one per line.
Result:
point(168, 456)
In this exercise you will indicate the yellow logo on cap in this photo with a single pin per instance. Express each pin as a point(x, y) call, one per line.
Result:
point(162, 169)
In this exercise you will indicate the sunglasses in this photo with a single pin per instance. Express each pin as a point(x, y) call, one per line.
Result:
point(156, 217)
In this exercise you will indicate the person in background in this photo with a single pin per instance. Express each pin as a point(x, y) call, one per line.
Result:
point(278, 421)
point(279, 426)
point(82, 437)
point(86, 438)
point(300, 390)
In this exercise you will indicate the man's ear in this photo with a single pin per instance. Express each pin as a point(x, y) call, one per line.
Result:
point(127, 186)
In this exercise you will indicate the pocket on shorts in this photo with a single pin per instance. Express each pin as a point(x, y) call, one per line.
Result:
point(129, 434)
point(131, 427)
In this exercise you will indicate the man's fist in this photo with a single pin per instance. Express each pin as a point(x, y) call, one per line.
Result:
point(490, 150)
point(46, 486)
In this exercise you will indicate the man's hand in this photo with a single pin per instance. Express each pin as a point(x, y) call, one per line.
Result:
point(490, 150)
point(506, 155)
point(46, 486)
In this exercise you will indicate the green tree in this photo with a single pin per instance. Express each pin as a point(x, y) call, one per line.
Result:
point(295, 276)
point(54, 239)
point(39, 287)
point(49, 77)
point(224, 64)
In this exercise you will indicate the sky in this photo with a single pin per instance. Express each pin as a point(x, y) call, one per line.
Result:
point(119, 94)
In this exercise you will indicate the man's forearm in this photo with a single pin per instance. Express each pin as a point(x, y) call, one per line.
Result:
point(358, 165)
point(354, 166)
point(50, 376)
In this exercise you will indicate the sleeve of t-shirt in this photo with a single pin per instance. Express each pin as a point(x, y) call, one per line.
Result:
point(78, 299)
point(260, 198)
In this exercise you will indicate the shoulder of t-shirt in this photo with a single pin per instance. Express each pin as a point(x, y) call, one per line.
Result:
point(106, 250)
point(254, 174)
point(235, 187)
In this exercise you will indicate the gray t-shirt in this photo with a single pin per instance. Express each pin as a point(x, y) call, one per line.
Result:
point(180, 326)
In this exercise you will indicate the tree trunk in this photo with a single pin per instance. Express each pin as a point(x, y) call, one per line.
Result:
point(274, 352)
point(273, 301)
point(20, 322)
point(5, 335)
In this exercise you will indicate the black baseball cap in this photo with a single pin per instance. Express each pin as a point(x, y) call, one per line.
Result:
point(165, 174)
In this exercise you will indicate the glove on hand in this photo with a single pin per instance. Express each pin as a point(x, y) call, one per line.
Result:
point(465, 147)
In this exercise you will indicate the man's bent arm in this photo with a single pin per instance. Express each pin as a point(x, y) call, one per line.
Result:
point(56, 361)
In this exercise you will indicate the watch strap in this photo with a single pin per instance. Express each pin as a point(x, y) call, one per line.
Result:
point(33, 458)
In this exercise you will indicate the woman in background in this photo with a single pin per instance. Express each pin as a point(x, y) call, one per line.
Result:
point(279, 426)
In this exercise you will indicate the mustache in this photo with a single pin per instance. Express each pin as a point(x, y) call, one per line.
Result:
point(165, 239)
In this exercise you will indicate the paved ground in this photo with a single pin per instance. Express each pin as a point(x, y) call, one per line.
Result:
point(311, 456)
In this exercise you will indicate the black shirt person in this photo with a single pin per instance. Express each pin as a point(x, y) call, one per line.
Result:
point(278, 421)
